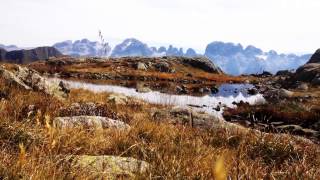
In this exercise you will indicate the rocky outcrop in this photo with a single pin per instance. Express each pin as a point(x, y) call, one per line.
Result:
point(28, 56)
point(309, 73)
point(315, 58)
point(111, 167)
point(89, 122)
point(31, 80)
point(201, 63)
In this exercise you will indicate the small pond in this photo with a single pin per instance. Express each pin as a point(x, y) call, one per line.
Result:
point(227, 95)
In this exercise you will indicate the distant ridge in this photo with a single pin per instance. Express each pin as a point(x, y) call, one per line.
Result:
point(28, 56)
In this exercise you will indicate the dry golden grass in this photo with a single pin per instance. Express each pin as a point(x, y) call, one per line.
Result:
point(32, 148)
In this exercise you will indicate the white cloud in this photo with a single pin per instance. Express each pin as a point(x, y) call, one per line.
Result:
point(284, 25)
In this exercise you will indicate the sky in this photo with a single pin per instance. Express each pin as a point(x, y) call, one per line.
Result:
point(282, 25)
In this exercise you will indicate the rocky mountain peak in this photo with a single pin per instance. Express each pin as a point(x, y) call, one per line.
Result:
point(315, 58)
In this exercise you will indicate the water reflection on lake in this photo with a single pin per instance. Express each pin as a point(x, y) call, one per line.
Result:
point(227, 95)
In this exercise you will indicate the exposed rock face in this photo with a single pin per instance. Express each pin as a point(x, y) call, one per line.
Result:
point(309, 73)
point(315, 58)
point(112, 167)
point(27, 56)
point(88, 122)
point(30, 79)
point(201, 63)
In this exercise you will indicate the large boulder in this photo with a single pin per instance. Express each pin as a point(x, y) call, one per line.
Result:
point(88, 122)
point(31, 79)
point(202, 63)
point(309, 73)
point(111, 167)
point(189, 117)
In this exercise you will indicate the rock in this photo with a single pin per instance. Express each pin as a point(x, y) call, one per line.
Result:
point(252, 91)
point(141, 66)
point(189, 117)
point(30, 79)
point(202, 63)
point(204, 90)
point(142, 89)
point(303, 86)
point(164, 67)
point(11, 78)
point(118, 99)
point(89, 122)
point(181, 89)
point(277, 94)
point(315, 58)
point(263, 74)
point(284, 73)
point(316, 81)
point(296, 129)
point(308, 72)
point(285, 93)
point(111, 167)
point(214, 90)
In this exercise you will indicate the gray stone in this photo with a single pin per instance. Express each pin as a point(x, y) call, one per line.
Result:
point(285, 93)
point(142, 89)
point(189, 117)
point(303, 86)
point(111, 167)
point(118, 99)
point(163, 67)
point(97, 122)
point(30, 79)
point(142, 66)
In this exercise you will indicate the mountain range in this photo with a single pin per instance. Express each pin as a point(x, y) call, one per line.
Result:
point(232, 58)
